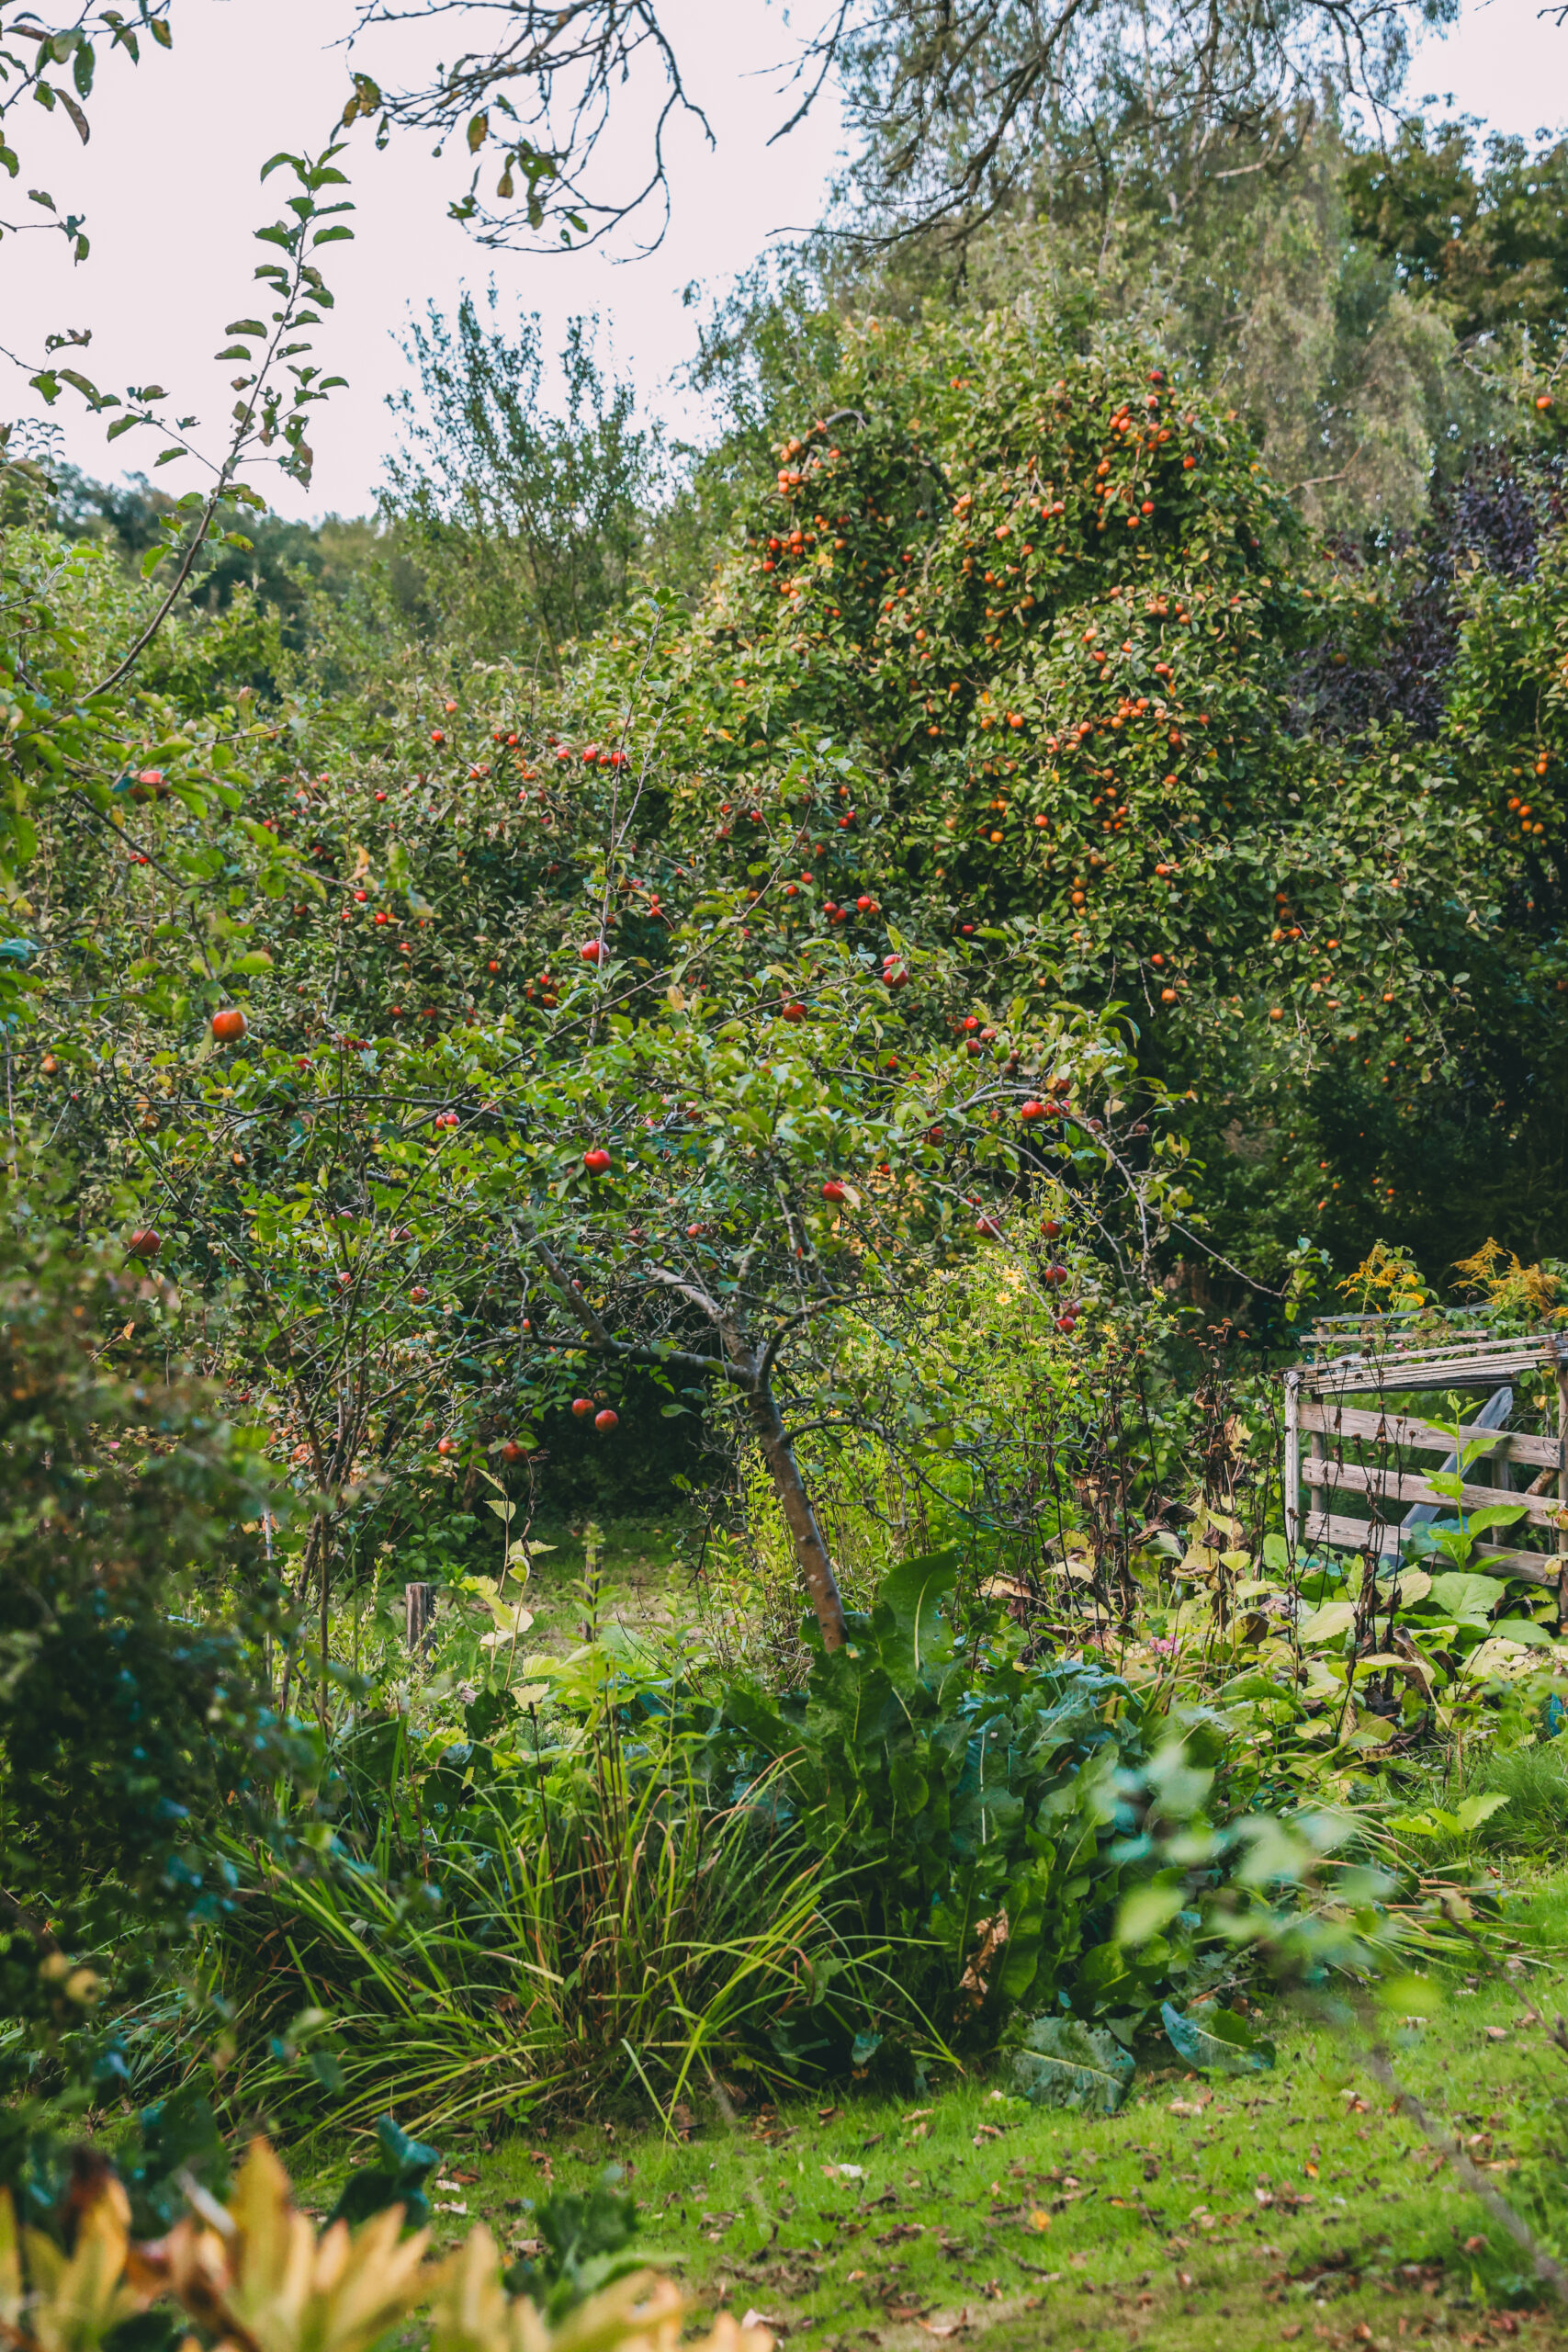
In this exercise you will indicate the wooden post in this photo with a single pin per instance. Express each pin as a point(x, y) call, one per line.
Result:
point(1291, 1497)
point(419, 1616)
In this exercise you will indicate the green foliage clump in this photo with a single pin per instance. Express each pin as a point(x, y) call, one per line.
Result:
point(133, 1712)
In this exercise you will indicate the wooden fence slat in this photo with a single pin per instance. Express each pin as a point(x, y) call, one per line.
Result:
point(1426, 1437)
point(1361, 1374)
point(1407, 1487)
point(1486, 1560)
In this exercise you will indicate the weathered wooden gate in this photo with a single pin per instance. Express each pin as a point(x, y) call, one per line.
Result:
point(1359, 1484)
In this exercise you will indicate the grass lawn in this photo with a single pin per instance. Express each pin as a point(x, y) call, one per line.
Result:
point(1283, 2208)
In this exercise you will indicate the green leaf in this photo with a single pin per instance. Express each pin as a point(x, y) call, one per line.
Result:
point(1524, 1630)
point(1065, 2062)
point(399, 2178)
point(333, 235)
point(1466, 1596)
point(1329, 1624)
point(1493, 1515)
point(1216, 2040)
point(478, 132)
point(1147, 1912)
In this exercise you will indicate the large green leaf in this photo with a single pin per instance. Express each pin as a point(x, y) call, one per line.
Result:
point(1216, 2040)
point(1064, 2063)
point(907, 1617)
point(1463, 1596)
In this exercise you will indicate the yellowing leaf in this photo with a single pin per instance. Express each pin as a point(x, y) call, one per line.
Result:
point(86, 2294)
point(1331, 1623)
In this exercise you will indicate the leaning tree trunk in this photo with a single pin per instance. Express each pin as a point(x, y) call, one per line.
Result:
point(796, 1503)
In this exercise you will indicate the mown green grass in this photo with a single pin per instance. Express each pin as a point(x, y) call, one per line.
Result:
point(1241, 2213)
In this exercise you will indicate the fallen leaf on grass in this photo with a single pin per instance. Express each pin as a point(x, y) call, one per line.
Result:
point(1039, 2219)
point(945, 2327)
point(761, 2319)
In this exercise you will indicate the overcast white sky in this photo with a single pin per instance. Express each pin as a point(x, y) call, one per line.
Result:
point(169, 186)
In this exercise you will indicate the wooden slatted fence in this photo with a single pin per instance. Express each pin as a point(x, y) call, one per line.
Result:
point(1359, 1453)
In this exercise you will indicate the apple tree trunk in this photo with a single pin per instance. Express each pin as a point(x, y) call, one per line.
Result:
point(794, 1501)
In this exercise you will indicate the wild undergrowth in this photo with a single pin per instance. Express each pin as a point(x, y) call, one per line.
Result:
point(1284, 2203)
